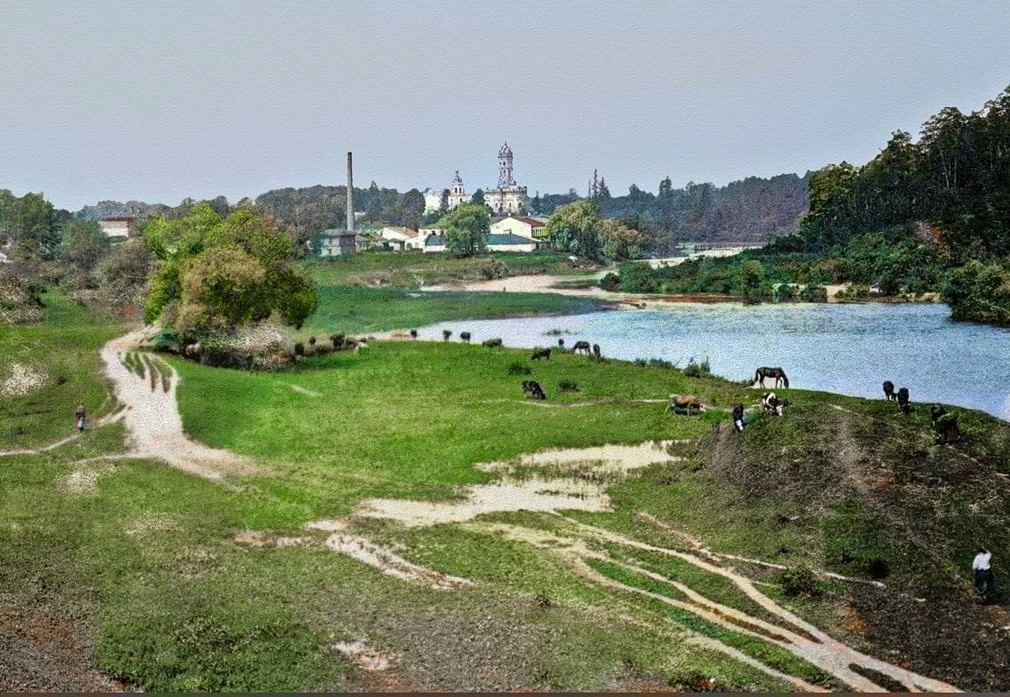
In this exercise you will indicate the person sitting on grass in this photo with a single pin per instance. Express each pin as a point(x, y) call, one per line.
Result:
point(982, 566)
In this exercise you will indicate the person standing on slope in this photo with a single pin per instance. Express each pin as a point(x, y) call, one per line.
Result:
point(79, 418)
point(982, 566)
point(738, 417)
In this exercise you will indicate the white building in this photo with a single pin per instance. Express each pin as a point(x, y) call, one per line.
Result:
point(452, 197)
point(401, 238)
point(117, 228)
point(495, 243)
point(509, 197)
point(524, 226)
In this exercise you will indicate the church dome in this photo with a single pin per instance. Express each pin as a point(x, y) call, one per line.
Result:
point(505, 150)
point(456, 179)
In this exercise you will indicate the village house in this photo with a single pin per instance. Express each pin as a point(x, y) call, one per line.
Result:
point(118, 228)
point(524, 226)
point(338, 243)
point(400, 238)
point(495, 243)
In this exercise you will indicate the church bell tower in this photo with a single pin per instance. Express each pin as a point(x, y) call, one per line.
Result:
point(505, 178)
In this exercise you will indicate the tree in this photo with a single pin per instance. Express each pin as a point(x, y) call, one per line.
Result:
point(466, 229)
point(574, 227)
point(478, 197)
point(83, 244)
point(123, 272)
point(620, 242)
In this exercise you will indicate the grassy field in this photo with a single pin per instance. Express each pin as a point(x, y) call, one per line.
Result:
point(411, 270)
point(141, 561)
point(61, 354)
point(350, 309)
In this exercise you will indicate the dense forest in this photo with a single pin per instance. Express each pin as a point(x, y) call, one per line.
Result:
point(753, 210)
point(928, 213)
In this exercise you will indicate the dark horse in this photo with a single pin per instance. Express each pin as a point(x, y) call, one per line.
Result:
point(532, 389)
point(780, 376)
point(888, 390)
point(541, 353)
point(904, 402)
point(582, 347)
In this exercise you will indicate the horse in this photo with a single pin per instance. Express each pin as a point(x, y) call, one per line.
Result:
point(596, 350)
point(888, 390)
point(945, 423)
point(904, 403)
point(581, 347)
point(464, 337)
point(684, 404)
point(764, 372)
point(492, 343)
point(544, 353)
point(532, 389)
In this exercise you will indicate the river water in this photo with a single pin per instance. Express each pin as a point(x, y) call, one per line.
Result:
point(846, 348)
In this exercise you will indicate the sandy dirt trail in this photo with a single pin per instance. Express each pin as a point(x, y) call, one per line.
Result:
point(153, 420)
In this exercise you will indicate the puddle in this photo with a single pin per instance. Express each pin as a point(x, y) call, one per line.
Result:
point(548, 481)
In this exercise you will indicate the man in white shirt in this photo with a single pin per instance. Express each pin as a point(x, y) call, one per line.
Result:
point(981, 565)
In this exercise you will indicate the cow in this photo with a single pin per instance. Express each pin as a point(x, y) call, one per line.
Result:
point(413, 334)
point(561, 343)
point(464, 337)
point(684, 404)
point(945, 423)
point(581, 347)
point(446, 333)
point(888, 390)
point(541, 353)
point(492, 343)
point(532, 389)
point(772, 404)
point(596, 350)
point(904, 403)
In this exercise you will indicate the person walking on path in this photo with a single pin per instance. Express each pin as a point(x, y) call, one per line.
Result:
point(982, 566)
point(79, 418)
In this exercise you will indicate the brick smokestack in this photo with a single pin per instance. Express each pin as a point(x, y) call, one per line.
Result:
point(350, 194)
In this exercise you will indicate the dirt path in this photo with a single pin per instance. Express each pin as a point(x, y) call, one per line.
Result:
point(107, 419)
point(153, 420)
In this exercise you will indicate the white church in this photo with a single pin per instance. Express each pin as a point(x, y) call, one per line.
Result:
point(508, 198)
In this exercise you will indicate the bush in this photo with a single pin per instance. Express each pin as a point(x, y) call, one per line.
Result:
point(299, 349)
point(800, 581)
point(568, 386)
point(493, 269)
point(338, 341)
point(698, 369)
point(611, 282)
point(257, 348)
point(166, 342)
point(814, 294)
point(518, 368)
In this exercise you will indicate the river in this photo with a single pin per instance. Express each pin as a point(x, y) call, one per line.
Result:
point(845, 348)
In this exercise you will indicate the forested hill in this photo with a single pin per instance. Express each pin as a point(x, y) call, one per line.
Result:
point(752, 210)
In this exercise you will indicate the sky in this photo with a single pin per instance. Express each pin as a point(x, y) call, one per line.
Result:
point(159, 101)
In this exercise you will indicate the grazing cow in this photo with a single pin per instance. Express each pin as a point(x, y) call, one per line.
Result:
point(596, 350)
point(581, 347)
point(532, 389)
point(684, 404)
point(771, 403)
point(464, 337)
point(541, 353)
point(780, 376)
point(492, 343)
point(561, 343)
point(904, 403)
point(413, 333)
point(945, 423)
point(888, 390)
point(446, 333)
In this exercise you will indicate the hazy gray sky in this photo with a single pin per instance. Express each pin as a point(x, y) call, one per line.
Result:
point(162, 100)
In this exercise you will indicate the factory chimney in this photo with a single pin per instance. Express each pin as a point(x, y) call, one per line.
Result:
point(350, 195)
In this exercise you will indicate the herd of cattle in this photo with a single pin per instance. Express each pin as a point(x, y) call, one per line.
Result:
point(944, 422)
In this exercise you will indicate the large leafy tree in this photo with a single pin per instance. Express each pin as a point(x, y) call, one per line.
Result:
point(575, 228)
point(213, 273)
point(83, 245)
point(466, 229)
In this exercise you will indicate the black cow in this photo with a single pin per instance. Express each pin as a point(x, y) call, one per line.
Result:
point(581, 347)
point(904, 403)
point(561, 343)
point(888, 390)
point(541, 353)
point(945, 423)
point(464, 337)
point(413, 333)
point(596, 350)
point(446, 333)
point(492, 343)
point(532, 389)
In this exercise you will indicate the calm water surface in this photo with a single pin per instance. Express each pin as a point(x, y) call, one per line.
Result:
point(842, 348)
